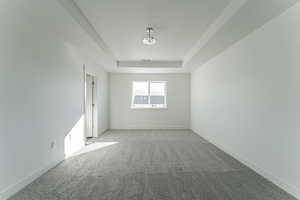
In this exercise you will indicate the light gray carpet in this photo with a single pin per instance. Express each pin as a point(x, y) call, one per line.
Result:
point(151, 165)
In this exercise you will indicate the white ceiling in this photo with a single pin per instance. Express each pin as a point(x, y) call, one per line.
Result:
point(178, 24)
point(193, 31)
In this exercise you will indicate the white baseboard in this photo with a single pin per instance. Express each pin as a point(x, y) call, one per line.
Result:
point(14, 188)
point(100, 132)
point(151, 127)
point(280, 183)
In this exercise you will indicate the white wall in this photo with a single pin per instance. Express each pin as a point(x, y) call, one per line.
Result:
point(103, 106)
point(247, 100)
point(178, 100)
point(42, 50)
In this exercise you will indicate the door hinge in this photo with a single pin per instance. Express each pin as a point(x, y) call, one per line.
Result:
point(93, 83)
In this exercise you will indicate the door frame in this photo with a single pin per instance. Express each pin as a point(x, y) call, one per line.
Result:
point(95, 102)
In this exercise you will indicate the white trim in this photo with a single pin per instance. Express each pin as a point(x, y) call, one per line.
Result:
point(84, 102)
point(151, 127)
point(16, 187)
point(227, 13)
point(78, 15)
point(277, 181)
point(95, 108)
point(150, 63)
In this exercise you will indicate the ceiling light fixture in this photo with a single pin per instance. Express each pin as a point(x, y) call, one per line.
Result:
point(149, 40)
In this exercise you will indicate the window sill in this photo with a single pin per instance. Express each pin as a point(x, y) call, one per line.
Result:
point(135, 108)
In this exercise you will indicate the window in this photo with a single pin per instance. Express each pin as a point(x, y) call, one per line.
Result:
point(149, 94)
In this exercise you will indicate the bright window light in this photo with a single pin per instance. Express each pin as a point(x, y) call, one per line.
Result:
point(149, 94)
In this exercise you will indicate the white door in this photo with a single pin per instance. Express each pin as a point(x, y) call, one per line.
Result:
point(90, 105)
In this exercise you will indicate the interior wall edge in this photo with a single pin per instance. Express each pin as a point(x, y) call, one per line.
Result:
point(255, 167)
point(101, 132)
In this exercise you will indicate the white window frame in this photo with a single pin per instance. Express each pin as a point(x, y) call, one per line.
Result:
point(151, 106)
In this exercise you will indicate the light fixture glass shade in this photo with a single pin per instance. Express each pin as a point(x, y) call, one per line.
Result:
point(149, 40)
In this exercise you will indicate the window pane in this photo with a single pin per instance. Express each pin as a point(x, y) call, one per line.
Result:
point(157, 100)
point(157, 92)
point(140, 93)
point(157, 89)
point(139, 99)
point(140, 88)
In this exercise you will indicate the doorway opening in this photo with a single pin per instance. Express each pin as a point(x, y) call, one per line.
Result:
point(90, 106)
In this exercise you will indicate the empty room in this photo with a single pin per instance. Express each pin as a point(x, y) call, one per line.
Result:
point(150, 100)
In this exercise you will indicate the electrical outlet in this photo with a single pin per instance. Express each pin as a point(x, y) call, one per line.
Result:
point(52, 144)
